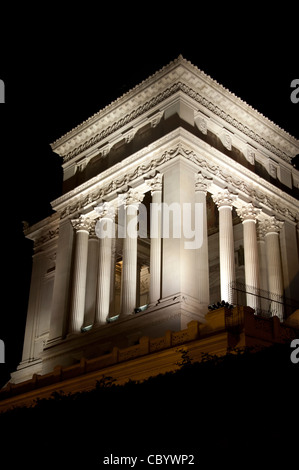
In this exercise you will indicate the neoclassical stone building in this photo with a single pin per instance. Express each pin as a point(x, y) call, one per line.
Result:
point(176, 196)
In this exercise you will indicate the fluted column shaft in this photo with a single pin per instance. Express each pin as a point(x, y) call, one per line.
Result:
point(91, 279)
point(224, 201)
point(129, 268)
point(248, 214)
point(275, 277)
point(105, 232)
point(155, 251)
point(202, 184)
point(82, 226)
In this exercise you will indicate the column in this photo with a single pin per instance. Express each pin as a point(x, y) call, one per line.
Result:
point(131, 201)
point(82, 227)
point(62, 282)
point(155, 235)
point(272, 227)
point(224, 200)
point(105, 230)
point(202, 184)
point(248, 214)
point(261, 245)
point(92, 276)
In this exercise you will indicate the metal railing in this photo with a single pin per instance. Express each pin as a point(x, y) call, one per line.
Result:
point(266, 303)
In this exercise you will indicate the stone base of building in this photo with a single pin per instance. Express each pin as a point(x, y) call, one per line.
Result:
point(222, 330)
point(172, 313)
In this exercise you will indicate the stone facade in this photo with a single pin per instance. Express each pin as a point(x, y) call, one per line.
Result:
point(210, 182)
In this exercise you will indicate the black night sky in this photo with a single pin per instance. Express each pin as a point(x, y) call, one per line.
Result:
point(60, 68)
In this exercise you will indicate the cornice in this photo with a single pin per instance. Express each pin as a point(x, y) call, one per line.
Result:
point(211, 162)
point(178, 76)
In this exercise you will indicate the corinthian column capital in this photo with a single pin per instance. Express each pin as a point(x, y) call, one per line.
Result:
point(272, 225)
point(248, 212)
point(224, 198)
point(83, 223)
point(131, 197)
point(155, 183)
point(202, 182)
point(105, 210)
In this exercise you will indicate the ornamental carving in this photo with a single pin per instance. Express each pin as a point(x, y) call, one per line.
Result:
point(224, 198)
point(47, 236)
point(105, 210)
point(248, 212)
point(155, 183)
point(82, 223)
point(250, 155)
point(226, 140)
point(272, 225)
point(132, 197)
point(217, 171)
point(158, 99)
point(201, 124)
point(202, 182)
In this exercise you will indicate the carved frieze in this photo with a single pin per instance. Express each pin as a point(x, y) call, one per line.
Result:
point(251, 191)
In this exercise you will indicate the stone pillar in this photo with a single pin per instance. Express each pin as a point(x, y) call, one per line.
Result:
point(155, 235)
point(290, 264)
point(202, 184)
point(131, 201)
point(224, 201)
point(248, 214)
point(112, 306)
point(92, 276)
point(62, 282)
point(261, 245)
point(105, 232)
point(82, 227)
point(272, 227)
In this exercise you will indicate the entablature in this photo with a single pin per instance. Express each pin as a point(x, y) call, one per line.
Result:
point(181, 143)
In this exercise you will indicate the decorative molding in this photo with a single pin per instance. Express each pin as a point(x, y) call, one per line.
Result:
point(80, 143)
point(201, 123)
point(45, 237)
point(217, 172)
point(250, 154)
point(226, 140)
